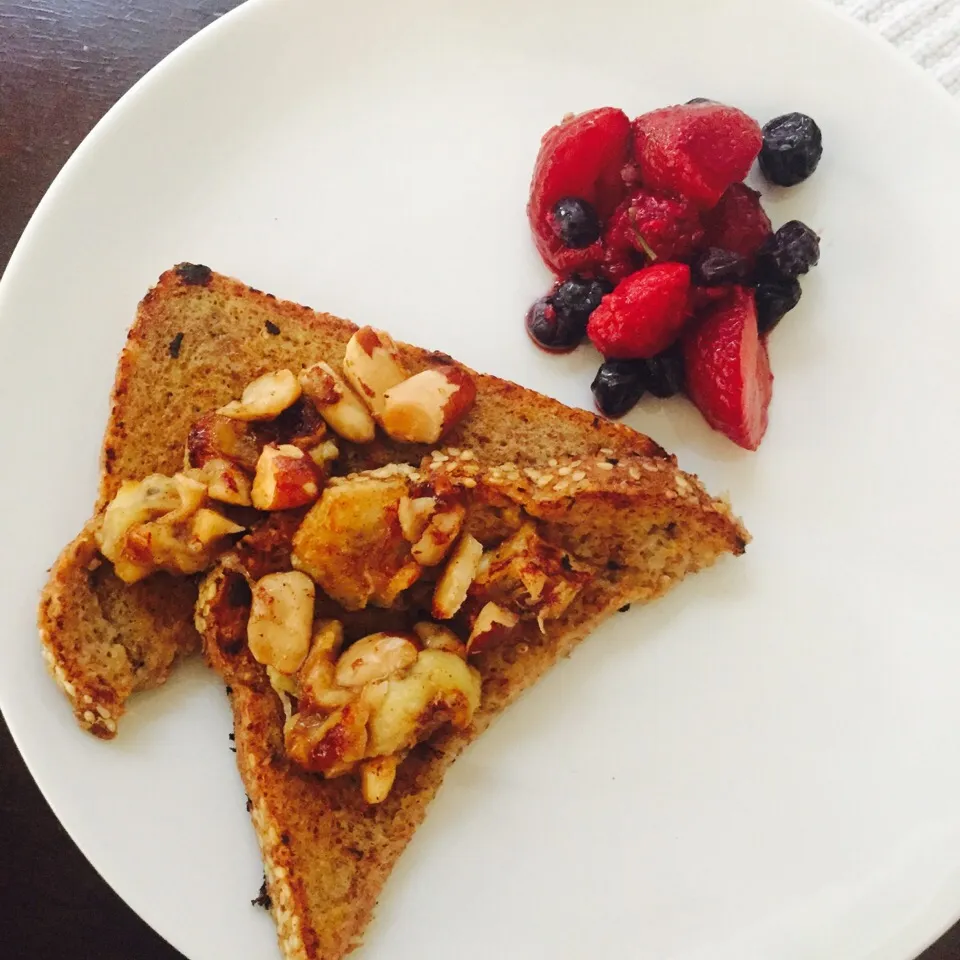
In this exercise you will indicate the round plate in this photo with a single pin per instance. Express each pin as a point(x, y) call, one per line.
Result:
point(761, 765)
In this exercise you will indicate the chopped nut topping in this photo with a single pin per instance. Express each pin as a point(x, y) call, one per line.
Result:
point(216, 437)
point(529, 576)
point(383, 696)
point(285, 478)
point(376, 778)
point(439, 534)
point(414, 516)
point(338, 404)
point(375, 658)
point(493, 623)
point(317, 675)
point(281, 616)
point(160, 523)
point(425, 406)
point(226, 483)
point(351, 542)
point(435, 636)
point(265, 398)
point(460, 571)
point(372, 366)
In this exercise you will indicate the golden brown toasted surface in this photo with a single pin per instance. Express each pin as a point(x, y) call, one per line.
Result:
point(103, 639)
point(197, 340)
point(326, 853)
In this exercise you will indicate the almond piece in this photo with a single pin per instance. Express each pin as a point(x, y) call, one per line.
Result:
point(264, 398)
point(372, 366)
point(493, 623)
point(286, 478)
point(281, 615)
point(453, 585)
point(424, 407)
point(342, 409)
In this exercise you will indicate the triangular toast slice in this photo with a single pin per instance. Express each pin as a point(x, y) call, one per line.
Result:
point(198, 339)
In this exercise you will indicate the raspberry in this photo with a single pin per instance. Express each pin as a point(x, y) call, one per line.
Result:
point(738, 222)
point(644, 315)
point(695, 150)
point(654, 227)
point(580, 159)
point(728, 369)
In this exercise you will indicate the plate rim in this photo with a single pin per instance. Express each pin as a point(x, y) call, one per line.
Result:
point(911, 935)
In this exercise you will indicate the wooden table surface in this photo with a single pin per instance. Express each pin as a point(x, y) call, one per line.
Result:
point(63, 63)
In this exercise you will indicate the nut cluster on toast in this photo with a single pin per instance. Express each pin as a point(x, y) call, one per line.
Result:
point(361, 540)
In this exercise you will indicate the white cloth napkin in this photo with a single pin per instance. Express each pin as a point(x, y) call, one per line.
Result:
point(927, 30)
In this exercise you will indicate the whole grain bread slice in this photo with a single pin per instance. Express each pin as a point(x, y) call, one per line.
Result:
point(197, 340)
point(326, 853)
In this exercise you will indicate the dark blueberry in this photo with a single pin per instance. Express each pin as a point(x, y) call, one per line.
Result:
point(575, 299)
point(663, 374)
point(774, 299)
point(617, 387)
point(792, 148)
point(575, 222)
point(550, 330)
point(699, 100)
point(715, 267)
point(791, 251)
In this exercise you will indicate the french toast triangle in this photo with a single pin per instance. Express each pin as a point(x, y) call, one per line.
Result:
point(374, 573)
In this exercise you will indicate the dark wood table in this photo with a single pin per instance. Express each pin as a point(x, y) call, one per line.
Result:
point(63, 63)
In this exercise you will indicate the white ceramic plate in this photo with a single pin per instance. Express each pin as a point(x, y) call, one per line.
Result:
point(764, 765)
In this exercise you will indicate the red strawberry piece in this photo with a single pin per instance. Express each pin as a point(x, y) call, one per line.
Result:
point(728, 369)
point(648, 227)
point(738, 222)
point(701, 298)
point(695, 150)
point(644, 315)
point(581, 157)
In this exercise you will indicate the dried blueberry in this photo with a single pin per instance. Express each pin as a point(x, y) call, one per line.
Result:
point(791, 251)
point(575, 222)
point(663, 374)
point(550, 330)
point(774, 299)
point(792, 148)
point(575, 299)
point(715, 267)
point(617, 387)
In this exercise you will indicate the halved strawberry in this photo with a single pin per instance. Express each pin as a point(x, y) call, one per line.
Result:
point(644, 314)
point(728, 369)
point(738, 222)
point(580, 157)
point(695, 150)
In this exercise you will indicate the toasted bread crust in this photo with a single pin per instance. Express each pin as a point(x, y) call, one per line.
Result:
point(102, 639)
point(197, 340)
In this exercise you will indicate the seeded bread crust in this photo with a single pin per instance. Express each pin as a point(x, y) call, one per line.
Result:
point(198, 339)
